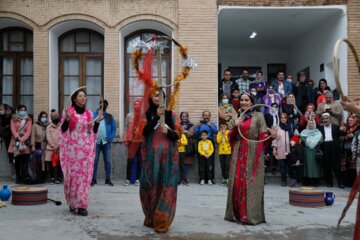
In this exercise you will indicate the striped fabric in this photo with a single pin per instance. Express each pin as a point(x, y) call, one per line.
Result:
point(306, 198)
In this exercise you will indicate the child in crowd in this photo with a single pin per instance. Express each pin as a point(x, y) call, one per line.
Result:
point(222, 139)
point(296, 157)
point(235, 99)
point(182, 142)
point(205, 150)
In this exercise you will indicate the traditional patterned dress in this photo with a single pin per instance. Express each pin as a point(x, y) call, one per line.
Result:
point(77, 152)
point(245, 201)
point(160, 174)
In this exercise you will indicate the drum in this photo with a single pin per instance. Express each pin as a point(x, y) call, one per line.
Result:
point(306, 197)
point(29, 195)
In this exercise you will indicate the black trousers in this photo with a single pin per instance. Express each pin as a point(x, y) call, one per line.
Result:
point(21, 167)
point(331, 161)
point(225, 164)
point(296, 172)
point(182, 165)
point(7, 141)
point(205, 168)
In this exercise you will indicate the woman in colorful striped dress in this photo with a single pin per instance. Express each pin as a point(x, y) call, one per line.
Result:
point(160, 173)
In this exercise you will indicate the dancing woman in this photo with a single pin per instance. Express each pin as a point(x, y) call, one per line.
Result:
point(77, 151)
point(245, 202)
point(160, 173)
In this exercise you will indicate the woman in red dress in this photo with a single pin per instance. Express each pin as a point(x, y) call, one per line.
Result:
point(245, 201)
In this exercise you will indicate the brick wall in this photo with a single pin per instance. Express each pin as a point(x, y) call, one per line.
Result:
point(198, 30)
point(354, 36)
point(281, 3)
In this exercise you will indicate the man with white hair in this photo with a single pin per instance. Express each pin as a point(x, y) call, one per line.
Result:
point(331, 148)
point(333, 108)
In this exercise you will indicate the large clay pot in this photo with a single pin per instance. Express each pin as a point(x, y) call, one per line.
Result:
point(5, 193)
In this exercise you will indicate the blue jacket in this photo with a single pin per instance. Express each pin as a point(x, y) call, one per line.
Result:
point(287, 86)
point(110, 125)
point(211, 130)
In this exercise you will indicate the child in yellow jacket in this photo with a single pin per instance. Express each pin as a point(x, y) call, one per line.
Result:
point(182, 142)
point(222, 139)
point(205, 150)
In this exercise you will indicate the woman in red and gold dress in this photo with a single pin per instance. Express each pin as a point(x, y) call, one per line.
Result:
point(245, 201)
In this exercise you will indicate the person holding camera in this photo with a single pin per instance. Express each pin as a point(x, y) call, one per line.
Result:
point(308, 114)
point(21, 127)
point(212, 130)
point(331, 107)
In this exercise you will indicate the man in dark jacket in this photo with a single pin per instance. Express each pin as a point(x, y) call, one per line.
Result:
point(331, 148)
point(106, 134)
point(227, 84)
point(304, 92)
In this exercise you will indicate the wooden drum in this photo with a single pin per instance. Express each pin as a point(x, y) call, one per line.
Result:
point(29, 195)
point(306, 197)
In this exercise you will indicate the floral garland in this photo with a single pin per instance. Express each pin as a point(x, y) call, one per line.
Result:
point(187, 64)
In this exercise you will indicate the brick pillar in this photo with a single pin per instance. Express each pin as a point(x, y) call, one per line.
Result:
point(198, 31)
point(353, 11)
point(112, 71)
point(41, 71)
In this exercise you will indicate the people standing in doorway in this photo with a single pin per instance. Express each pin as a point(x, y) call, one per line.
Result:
point(243, 82)
point(133, 139)
point(190, 149)
point(223, 142)
point(282, 86)
point(211, 129)
point(226, 111)
point(303, 92)
point(5, 120)
point(312, 139)
point(260, 85)
point(53, 140)
point(333, 108)
point(227, 84)
point(21, 127)
point(320, 91)
point(106, 134)
point(205, 150)
point(77, 151)
point(235, 99)
point(38, 146)
point(331, 134)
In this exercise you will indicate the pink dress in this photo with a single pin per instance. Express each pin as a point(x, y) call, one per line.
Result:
point(77, 152)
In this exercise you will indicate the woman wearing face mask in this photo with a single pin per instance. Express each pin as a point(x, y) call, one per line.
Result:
point(226, 111)
point(270, 98)
point(160, 173)
point(77, 151)
point(38, 146)
point(312, 139)
point(245, 201)
point(52, 147)
point(19, 146)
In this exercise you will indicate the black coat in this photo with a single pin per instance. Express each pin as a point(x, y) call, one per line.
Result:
point(296, 153)
point(335, 132)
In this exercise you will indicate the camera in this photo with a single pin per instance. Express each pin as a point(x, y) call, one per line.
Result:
point(203, 122)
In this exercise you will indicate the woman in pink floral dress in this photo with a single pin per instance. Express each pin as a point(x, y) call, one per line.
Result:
point(77, 151)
